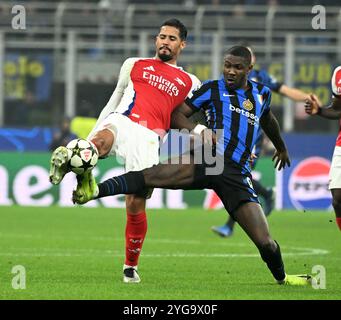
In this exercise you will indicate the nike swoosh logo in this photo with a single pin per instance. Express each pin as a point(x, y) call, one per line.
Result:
point(228, 95)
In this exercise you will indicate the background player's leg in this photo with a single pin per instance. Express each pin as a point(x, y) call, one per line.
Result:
point(258, 187)
point(251, 218)
point(336, 193)
point(225, 230)
point(266, 194)
point(136, 229)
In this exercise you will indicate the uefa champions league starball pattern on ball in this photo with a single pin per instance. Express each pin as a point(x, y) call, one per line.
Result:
point(82, 155)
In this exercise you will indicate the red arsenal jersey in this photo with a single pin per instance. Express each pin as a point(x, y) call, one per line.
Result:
point(154, 90)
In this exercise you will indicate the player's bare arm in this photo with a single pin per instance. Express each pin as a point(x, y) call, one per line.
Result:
point(293, 93)
point(180, 120)
point(180, 115)
point(333, 111)
point(271, 128)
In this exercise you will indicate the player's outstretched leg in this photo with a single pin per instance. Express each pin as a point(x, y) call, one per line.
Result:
point(166, 176)
point(58, 165)
point(73, 155)
point(87, 188)
point(252, 219)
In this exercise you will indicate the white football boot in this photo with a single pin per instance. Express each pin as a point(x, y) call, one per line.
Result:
point(130, 274)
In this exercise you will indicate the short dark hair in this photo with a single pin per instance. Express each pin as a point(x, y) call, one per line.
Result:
point(178, 25)
point(247, 45)
point(240, 51)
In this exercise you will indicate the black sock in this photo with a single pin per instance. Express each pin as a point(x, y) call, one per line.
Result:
point(128, 183)
point(273, 260)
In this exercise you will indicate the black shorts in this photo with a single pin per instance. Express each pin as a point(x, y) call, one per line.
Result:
point(232, 186)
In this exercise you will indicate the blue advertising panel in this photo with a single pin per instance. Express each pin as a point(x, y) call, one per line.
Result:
point(33, 139)
point(25, 73)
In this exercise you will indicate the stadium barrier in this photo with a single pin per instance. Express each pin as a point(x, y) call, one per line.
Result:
point(24, 182)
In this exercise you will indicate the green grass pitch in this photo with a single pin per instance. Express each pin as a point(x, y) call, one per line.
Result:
point(77, 253)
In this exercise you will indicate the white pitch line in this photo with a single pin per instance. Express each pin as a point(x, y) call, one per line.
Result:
point(45, 252)
point(216, 242)
point(298, 251)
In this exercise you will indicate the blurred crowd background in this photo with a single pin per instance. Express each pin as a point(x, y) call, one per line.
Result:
point(66, 61)
point(61, 59)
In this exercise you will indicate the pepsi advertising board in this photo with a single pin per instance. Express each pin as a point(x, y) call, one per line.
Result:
point(304, 185)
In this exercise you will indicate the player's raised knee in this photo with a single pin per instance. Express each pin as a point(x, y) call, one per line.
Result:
point(103, 140)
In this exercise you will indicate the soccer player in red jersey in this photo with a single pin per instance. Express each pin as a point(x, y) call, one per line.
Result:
point(131, 124)
point(333, 111)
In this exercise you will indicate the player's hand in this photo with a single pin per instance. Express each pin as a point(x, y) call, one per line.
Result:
point(312, 105)
point(208, 137)
point(281, 159)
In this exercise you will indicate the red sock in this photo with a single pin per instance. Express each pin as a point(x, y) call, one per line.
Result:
point(136, 230)
point(338, 221)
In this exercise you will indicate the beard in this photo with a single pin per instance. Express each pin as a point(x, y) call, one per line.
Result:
point(165, 57)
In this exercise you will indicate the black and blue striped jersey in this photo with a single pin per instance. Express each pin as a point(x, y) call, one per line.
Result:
point(236, 112)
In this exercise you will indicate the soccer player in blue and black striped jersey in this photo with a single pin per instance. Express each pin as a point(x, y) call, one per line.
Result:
point(263, 77)
point(236, 108)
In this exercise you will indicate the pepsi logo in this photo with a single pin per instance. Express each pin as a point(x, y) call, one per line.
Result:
point(308, 184)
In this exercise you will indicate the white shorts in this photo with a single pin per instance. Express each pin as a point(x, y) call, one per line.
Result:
point(335, 170)
point(136, 144)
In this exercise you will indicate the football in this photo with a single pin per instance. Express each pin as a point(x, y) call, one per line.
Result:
point(82, 154)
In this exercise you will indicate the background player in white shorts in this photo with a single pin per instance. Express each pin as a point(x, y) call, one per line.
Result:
point(137, 114)
point(333, 111)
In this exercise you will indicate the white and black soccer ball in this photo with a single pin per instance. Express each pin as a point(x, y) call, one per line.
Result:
point(82, 154)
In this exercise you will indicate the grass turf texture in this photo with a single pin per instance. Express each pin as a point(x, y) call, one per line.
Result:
point(77, 253)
